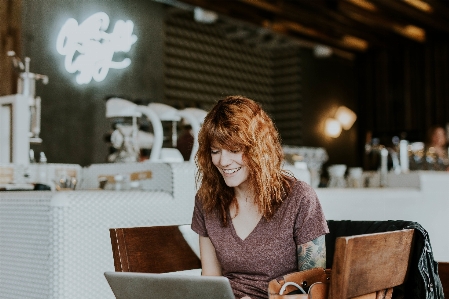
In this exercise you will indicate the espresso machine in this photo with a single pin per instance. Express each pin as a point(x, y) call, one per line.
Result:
point(128, 139)
point(20, 115)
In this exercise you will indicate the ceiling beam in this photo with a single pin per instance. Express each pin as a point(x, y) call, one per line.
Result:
point(387, 29)
point(366, 23)
point(414, 16)
point(278, 20)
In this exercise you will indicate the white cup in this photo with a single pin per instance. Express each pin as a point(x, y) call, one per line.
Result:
point(337, 175)
point(355, 177)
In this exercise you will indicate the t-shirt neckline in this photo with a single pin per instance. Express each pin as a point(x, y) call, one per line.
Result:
point(234, 232)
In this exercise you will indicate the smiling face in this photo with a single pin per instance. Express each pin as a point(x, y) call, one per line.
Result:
point(231, 166)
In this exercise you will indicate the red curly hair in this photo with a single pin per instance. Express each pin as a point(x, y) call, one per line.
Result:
point(239, 123)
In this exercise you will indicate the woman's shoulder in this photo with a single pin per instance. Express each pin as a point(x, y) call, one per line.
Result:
point(198, 202)
point(298, 186)
point(302, 192)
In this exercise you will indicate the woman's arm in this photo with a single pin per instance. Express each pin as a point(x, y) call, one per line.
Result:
point(209, 262)
point(312, 254)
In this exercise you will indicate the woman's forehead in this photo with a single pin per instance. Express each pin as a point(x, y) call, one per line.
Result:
point(215, 144)
point(229, 145)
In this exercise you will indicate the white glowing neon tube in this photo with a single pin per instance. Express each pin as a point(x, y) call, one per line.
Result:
point(89, 49)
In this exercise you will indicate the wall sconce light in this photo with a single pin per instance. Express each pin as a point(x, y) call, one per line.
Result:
point(332, 127)
point(344, 119)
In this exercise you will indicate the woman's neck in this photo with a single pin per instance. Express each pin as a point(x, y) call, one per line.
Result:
point(243, 193)
point(244, 205)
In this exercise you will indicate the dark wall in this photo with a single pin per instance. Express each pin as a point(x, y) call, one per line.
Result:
point(204, 63)
point(405, 89)
point(328, 83)
point(73, 116)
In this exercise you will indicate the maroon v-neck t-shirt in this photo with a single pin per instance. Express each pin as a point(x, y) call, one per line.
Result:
point(269, 251)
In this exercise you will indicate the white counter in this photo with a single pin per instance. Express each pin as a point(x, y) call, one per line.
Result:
point(426, 203)
point(56, 245)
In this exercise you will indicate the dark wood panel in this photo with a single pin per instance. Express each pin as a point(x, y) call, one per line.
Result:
point(10, 31)
point(443, 272)
point(404, 90)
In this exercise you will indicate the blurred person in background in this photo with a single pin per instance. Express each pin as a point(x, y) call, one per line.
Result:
point(437, 147)
point(185, 141)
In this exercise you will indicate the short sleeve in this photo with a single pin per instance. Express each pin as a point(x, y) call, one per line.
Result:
point(310, 222)
point(198, 222)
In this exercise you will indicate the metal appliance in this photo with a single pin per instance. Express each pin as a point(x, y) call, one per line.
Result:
point(20, 115)
point(128, 139)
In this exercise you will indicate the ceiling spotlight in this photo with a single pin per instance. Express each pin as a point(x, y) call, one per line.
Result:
point(412, 32)
point(321, 51)
point(421, 5)
point(204, 16)
point(355, 42)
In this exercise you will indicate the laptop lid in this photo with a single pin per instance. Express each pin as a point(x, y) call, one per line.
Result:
point(133, 285)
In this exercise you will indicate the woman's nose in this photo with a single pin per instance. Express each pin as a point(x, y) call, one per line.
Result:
point(225, 158)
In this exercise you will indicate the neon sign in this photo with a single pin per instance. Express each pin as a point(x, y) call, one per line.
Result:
point(89, 50)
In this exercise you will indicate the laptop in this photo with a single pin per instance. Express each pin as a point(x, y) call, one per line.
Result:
point(133, 285)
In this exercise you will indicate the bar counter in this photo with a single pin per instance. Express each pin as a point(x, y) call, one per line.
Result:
point(55, 244)
point(425, 200)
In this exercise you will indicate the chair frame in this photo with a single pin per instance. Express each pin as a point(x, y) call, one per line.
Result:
point(370, 263)
point(137, 249)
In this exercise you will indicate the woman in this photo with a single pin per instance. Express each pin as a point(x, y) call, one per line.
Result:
point(256, 222)
point(436, 148)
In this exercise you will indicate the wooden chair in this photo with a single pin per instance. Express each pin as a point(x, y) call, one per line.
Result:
point(370, 265)
point(156, 249)
point(364, 266)
point(443, 272)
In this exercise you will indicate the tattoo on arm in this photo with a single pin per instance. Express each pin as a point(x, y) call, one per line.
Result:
point(312, 254)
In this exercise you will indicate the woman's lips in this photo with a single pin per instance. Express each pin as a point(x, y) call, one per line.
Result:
point(230, 171)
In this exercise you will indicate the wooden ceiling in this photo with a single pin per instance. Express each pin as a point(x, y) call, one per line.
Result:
point(350, 26)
